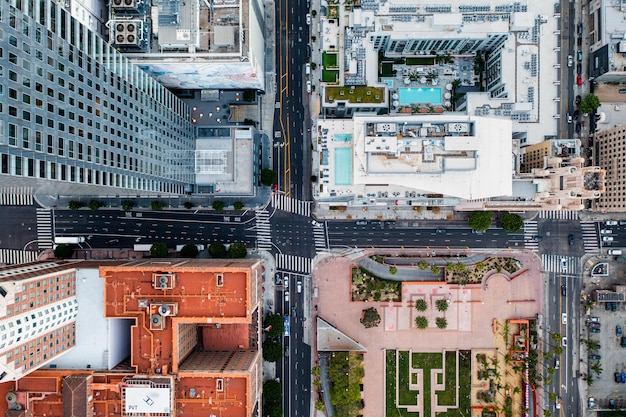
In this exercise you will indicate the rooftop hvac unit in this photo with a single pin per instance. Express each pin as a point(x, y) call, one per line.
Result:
point(127, 33)
point(156, 322)
point(163, 280)
point(219, 385)
point(125, 4)
point(165, 310)
point(11, 397)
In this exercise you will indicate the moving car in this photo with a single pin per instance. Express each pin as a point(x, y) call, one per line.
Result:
point(299, 286)
point(570, 60)
point(607, 238)
point(316, 223)
point(615, 251)
point(564, 318)
point(537, 238)
point(611, 223)
point(564, 264)
point(569, 118)
point(563, 290)
point(361, 222)
point(606, 232)
point(564, 341)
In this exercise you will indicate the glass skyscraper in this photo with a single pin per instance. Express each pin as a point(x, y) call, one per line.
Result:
point(77, 117)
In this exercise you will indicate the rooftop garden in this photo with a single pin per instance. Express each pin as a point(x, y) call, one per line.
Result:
point(460, 273)
point(368, 287)
point(355, 94)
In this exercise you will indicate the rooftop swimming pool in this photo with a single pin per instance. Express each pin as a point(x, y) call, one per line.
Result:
point(416, 95)
point(342, 137)
point(343, 166)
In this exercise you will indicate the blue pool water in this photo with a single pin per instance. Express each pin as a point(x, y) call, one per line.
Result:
point(343, 166)
point(414, 95)
point(342, 137)
point(389, 83)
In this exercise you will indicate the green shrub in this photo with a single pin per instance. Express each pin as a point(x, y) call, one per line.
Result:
point(94, 204)
point(237, 250)
point(127, 205)
point(188, 205)
point(421, 304)
point(74, 205)
point(441, 322)
point(268, 177)
point(218, 205)
point(393, 270)
point(442, 305)
point(156, 205)
point(63, 251)
point(189, 251)
point(421, 322)
point(217, 250)
point(237, 205)
point(159, 250)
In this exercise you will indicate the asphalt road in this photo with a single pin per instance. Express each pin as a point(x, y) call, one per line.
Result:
point(18, 227)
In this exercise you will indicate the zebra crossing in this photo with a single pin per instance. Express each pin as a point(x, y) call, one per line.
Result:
point(566, 265)
point(590, 236)
point(319, 236)
point(15, 256)
point(44, 229)
point(263, 232)
point(293, 263)
point(559, 214)
point(292, 205)
point(530, 231)
point(16, 196)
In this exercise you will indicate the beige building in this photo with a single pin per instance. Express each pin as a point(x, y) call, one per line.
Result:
point(609, 154)
point(534, 156)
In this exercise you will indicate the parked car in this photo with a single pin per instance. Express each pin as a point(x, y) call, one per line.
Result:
point(441, 230)
point(579, 28)
point(578, 127)
point(571, 240)
point(570, 60)
point(299, 286)
point(579, 68)
point(594, 330)
point(615, 252)
point(611, 223)
point(594, 357)
point(607, 306)
point(579, 80)
point(595, 325)
point(309, 86)
point(613, 306)
point(579, 55)
point(564, 341)
point(361, 222)
point(606, 232)
point(308, 18)
point(564, 318)
point(607, 238)
point(579, 41)
point(594, 319)
point(564, 290)
point(376, 223)
point(579, 100)
point(623, 342)
point(611, 403)
point(618, 377)
point(618, 331)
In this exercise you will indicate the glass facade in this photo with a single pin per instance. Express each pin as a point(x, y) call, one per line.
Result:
point(74, 110)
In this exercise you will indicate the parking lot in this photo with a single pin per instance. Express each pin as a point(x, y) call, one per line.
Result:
point(610, 354)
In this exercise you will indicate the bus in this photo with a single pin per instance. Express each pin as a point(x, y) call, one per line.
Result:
point(68, 239)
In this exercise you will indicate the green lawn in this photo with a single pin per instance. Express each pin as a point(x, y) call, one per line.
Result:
point(329, 60)
point(426, 362)
point(330, 75)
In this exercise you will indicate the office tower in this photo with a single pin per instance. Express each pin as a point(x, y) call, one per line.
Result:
point(78, 118)
point(38, 309)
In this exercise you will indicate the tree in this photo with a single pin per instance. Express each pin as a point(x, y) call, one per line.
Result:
point(272, 351)
point(547, 355)
point(313, 178)
point(550, 370)
point(248, 95)
point(441, 322)
point(217, 250)
point(442, 305)
point(370, 318)
point(421, 322)
point(319, 405)
point(480, 220)
point(393, 270)
point(188, 205)
point(421, 304)
point(276, 322)
point(249, 122)
point(127, 205)
point(596, 367)
point(558, 350)
point(63, 251)
point(313, 65)
point(273, 410)
point(272, 391)
point(313, 13)
point(237, 205)
point(435, 270)
point(511, 222)
point(316, 371)
point(556, 337)
point(589, 104)
point(94, 204)
point(237, 250)
point(552, 396)
point(422, 265)
point(159, 250)
point(592, 344)
point(218, 205)
point(74, 205)
point(189, 251)
point(156, 205)
point(313, 38)
point(268, 177)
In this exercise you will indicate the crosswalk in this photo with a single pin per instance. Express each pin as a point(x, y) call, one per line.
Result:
point(263, 232)
point(44, 229)
point(554, 263)
point(590, 236)
point(293, 263)
point(319, 236)
point(16, 196)
point(530, 231)
point(559, 214)
point(15, 256)
point(292, 205)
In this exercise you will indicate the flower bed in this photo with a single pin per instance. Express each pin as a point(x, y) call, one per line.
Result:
point(368, 287)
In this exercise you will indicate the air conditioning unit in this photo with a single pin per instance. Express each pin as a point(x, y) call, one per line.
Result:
point(127, 33)
point(157, 322)
point(163, 280)
point(219, 385)
point(125, 4)
point(164, 309)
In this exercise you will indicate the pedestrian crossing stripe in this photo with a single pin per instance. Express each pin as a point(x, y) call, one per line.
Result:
point(319, 236)
point(263, 232)
point(292, 205)
point(559, 214)
point(16, 196)
point(44, 229)
point(293, 263)
point(530, 231)
point(15, 256)
point(590, 236)
point(554, 263)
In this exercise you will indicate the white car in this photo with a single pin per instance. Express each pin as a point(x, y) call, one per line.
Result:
point(564, 318)
point(570, 60)
point(307, 69)
point(564, 341)
point(308, 18)
point(564, 264)
point(299, 286)
point(606, 232)
point(607, 238)
point(316, 223)
point(308, 86)
point(611, 223)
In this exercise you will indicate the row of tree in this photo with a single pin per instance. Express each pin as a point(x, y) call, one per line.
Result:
point(481, 221)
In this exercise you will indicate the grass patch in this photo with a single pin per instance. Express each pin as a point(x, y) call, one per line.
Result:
point(448, 396)
point(464, 382)
point(386, 69)
point(420, 61)
point(329, 60)
point(330, 75)
point(353, 94)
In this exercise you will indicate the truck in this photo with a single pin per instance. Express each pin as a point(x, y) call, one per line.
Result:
point(142, 247)
point(68, 239)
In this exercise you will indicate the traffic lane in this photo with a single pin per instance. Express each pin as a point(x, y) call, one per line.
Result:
point(19, 226)
point(364, 235)
point(177, 216)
